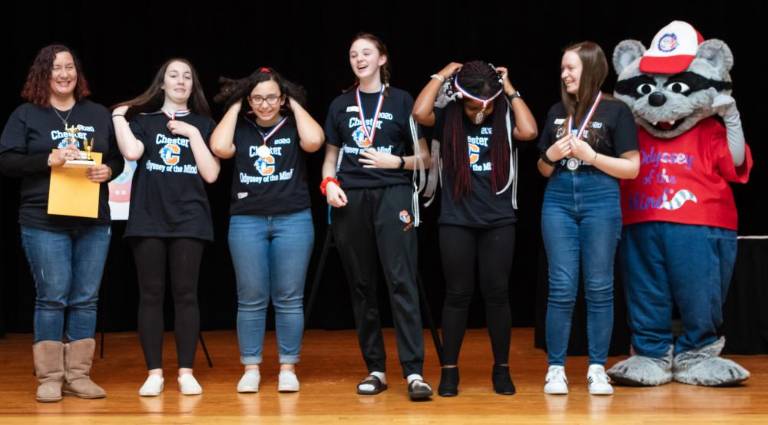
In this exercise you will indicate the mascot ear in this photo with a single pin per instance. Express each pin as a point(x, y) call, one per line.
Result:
point(625, 53)
point(716, 53)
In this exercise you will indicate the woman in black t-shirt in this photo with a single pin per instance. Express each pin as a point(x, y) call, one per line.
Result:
point(588, 142)
point(66, 254)
point(372, 141)
point(267, 131)
point(165, 129)
point(477, 214)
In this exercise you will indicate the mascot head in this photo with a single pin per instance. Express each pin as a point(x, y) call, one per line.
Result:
point(676, 82)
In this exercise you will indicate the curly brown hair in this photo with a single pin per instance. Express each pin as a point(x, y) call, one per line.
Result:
point(37, 88)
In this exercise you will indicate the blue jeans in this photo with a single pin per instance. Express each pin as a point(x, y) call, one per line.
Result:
point(271, 255)
point(67, 267)
point(581, 226)
point(686, 265)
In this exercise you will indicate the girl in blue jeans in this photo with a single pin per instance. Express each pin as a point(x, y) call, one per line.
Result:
point(271, 234)
point(588, 142)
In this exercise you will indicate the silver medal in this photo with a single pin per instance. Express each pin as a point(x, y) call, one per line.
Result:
point(572, 164)
point(479, 118)
point(263, 151)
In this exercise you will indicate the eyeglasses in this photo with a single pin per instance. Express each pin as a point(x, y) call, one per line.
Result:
point(271, 100)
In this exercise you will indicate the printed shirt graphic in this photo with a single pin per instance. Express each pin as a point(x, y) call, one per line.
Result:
point(168, 197)
point(482, 207)
point(611, 131)
point(685, 180)
point(393, 135)
point(275, 184)
point(35, 130)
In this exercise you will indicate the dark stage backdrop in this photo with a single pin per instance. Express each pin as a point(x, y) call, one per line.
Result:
point(122, 45)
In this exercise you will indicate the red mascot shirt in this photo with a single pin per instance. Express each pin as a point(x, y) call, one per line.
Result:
point(685, 179)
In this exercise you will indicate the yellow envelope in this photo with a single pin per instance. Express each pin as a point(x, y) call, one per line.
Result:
point(71, 193)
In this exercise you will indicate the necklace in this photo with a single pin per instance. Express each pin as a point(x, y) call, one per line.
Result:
point(65, 121)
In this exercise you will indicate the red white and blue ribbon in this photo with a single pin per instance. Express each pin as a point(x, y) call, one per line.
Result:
point(466, 94)
point(369, 134)
point(173, 115)
point(263, 150)
point(587, 118)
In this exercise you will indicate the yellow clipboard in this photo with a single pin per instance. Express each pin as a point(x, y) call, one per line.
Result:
point(71, 193)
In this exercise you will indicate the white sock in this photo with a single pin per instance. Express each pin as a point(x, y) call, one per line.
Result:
point(414, 376)
point(368, 387)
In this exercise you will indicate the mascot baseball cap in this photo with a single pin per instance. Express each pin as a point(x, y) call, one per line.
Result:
point(672, 49)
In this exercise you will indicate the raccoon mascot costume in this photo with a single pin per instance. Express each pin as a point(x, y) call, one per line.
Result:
point(679, 240)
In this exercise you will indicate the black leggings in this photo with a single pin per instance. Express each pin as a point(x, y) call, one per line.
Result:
point(486, 254)
point(182, 258)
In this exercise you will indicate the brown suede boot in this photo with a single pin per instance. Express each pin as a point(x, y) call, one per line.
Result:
point(48, 357)
point(78, 357)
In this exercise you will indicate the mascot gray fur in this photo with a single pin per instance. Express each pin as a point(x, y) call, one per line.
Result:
point(692, 145)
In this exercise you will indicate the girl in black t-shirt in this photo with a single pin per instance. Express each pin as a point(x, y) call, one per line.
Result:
point(477, 215)
point(165, 129)
point(588, 142)
point(372, 141)
point(267, 131)
point(66, 254)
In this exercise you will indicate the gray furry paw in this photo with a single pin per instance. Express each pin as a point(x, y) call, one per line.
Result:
point(705, 367)
point(641, 371)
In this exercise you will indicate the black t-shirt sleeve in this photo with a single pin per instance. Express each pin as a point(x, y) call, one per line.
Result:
point(114, 160)
point(332, 136)
point(625, 133)
point(138, 129)
point(546, 137)
point(14, 159)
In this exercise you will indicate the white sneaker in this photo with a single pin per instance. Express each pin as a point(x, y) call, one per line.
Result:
point(597, 381)
point(556, 381)
point(287, 382)
point(188, 385)
point(249, 383)
point(152, 387)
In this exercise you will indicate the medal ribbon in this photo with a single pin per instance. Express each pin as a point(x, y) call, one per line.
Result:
point(369, 134)
point(587, 118)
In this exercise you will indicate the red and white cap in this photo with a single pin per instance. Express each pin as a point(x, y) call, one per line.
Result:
point(672, 49)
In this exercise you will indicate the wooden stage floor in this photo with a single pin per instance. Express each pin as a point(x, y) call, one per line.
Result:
point(331, 366)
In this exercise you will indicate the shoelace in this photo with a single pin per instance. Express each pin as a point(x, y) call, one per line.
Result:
point(556, 375)
point(597, 378)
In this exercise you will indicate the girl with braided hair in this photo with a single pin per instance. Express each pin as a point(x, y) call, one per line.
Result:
point(483, 114)
point(267, 130)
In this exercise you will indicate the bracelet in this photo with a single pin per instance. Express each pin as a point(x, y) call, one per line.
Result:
point(546, 159)
point(118, 115)
point(595, 158)
point(515, 95)
point(402, 163)
point(325, 182)
point(437, 77)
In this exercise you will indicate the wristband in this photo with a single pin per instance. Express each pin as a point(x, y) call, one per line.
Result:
point(402, 163)
point(325, 182)
point(546, 159)
point(438, 77)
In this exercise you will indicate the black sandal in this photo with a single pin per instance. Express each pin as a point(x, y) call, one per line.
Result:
point(375, 382)
point(419, 389)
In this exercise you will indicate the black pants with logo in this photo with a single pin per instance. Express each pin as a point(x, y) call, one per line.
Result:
point(476, 257)
point(376, 226)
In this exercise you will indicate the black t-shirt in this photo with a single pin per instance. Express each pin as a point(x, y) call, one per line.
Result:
point(393, 135)
point(481, 207)
point(272, 185)
point(29, 136)
point(611, 131)
point(168, 196)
